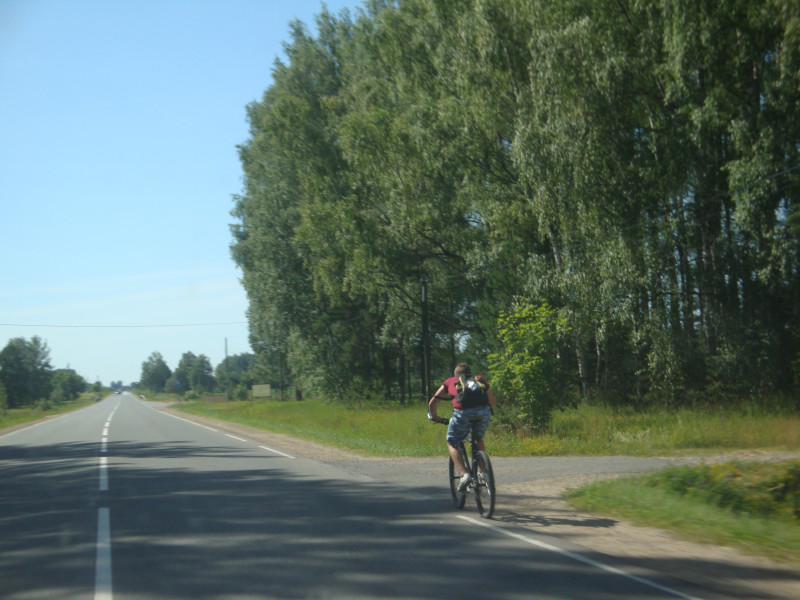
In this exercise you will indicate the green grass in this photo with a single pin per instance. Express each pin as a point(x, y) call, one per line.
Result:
point(599, 430)
point(374, 431)
point(19, 416)
point(696, 504)
point(586, 430)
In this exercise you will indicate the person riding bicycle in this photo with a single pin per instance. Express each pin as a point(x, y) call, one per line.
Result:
point(481, 400)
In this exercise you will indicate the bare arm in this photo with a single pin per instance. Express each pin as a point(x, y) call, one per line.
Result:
point(440, 395)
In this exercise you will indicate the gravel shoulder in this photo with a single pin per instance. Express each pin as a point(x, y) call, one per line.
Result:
point(529, 495)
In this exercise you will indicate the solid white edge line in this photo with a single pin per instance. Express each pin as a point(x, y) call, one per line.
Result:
point(102, 569)
point(229, 435)
point(187, 420)
point(578, 557)
point(276, 451)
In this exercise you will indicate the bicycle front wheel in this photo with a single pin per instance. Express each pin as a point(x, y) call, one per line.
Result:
point(484, 486)
point(455, 478)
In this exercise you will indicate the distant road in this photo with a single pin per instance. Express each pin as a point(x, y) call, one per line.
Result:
point(119, 500)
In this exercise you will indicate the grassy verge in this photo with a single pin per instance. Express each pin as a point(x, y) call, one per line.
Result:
point(375, 431)
point(754, 507)
point(587, 430)
point(19, 416)
point(600, 430)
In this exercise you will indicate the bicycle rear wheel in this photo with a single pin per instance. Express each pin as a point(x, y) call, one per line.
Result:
point(455, 478)
point(484, 485)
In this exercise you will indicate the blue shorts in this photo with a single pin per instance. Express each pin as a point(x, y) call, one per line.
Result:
point(459, 424)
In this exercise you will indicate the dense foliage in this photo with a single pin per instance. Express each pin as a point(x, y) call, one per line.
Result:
point(27, 377)
point(195, 376)
point(634, 164)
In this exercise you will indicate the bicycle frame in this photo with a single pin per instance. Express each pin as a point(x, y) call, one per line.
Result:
point(482, 486)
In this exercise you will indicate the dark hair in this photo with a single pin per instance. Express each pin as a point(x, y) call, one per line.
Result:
point(462, 369)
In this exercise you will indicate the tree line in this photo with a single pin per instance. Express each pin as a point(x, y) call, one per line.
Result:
point(426, 179)
point(27, 377)
point(195, 377)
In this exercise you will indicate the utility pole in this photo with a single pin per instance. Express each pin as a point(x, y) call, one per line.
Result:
point(280, 371)
point(426, 346)
point(227, 367)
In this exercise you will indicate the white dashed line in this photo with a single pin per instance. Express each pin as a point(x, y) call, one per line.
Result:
point(102, 569)
point(102, 572)
point(103, 473)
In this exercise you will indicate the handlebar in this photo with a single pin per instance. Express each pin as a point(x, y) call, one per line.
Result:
point(441, 421)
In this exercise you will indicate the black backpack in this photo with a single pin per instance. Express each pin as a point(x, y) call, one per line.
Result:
point(471, 392)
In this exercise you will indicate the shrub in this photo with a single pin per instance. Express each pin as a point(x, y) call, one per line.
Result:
point(526, 369)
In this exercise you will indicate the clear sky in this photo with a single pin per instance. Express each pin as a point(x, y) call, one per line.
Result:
point(119, 122)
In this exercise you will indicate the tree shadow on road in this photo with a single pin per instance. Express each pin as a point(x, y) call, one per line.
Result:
point(190, 521)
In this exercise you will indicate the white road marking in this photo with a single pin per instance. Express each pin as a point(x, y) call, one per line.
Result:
point(103, 474)
point(228, 434)
point(103, 445)
point(102, 568)
point(188, 421)
point(577, 557)
point(276, 451)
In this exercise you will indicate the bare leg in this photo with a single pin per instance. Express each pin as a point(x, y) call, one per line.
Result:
point(458, 461)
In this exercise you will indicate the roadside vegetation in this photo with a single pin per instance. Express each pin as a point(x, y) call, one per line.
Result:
point(585, 430)
point(752, 506)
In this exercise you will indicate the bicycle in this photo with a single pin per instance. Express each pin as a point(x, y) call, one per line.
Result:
point(482, 482)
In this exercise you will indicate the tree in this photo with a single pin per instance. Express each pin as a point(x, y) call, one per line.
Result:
point(155, 373)
point(67, 386)
point(239, 370)
point(180, 381)
point(192, 373)
point(633, 164)
point(25, 371)
point(201, 375)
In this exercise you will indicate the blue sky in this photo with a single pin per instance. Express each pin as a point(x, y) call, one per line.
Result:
point(119, 122)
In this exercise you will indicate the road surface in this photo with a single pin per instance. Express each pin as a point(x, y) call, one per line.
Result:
point(119, 500)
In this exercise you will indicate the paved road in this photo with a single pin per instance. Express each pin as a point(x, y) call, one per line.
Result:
point(119, 500)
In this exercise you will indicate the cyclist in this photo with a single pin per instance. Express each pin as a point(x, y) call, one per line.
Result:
point(460, 424)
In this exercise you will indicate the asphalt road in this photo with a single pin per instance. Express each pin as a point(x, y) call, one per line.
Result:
point(122, 501)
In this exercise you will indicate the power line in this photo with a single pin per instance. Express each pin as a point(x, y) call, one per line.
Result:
point(158, 326)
